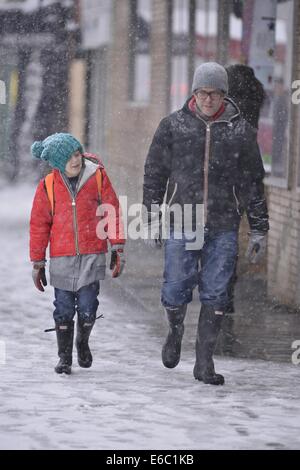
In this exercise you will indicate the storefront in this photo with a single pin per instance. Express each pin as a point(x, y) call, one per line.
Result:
point(91, 70)
point(152, 77)
point(8, 90)
point(36, 47)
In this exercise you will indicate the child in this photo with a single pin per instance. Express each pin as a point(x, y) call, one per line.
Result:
point(64, 213)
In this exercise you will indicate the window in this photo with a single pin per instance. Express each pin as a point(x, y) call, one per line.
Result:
point(139, 47)
point(180, 52)
point(206, 25)
point(282, 88)
point(235, 54)
point(267, 46)
point(194, 40)
point(8, 99)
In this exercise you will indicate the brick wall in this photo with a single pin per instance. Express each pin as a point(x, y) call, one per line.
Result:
point(283, 245)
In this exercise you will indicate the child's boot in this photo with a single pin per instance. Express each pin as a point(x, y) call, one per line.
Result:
point(64, 335)
point(84, 354)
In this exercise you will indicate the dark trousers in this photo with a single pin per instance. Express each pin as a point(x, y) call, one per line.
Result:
point(84, 302)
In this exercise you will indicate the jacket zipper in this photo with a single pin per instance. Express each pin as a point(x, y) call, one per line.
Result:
point(75, 225)
point(206, 165)
point(74, 211)
point(236, 201)
point(206, 161)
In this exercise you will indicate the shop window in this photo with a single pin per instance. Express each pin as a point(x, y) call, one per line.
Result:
point(139, 47)
point(193, 41)
point(267, 46)
point(235, 53)
point(206, 26)
point(180, 52)
point(282, 88)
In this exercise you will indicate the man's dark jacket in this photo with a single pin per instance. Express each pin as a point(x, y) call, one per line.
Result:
point(235, 171)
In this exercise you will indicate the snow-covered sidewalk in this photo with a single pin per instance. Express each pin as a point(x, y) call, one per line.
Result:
point(127, 400)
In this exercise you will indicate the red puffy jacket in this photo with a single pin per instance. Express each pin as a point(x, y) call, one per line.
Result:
point(72, 228)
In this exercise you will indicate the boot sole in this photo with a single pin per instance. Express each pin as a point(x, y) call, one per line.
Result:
point(170, 366)
point(214, 379)
point(84, 365)
point(211, 382)
point(64, 371)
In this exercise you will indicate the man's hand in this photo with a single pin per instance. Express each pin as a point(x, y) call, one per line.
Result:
point(39, 275)
point(152, 230)
point(117, 260)
point(257, 246)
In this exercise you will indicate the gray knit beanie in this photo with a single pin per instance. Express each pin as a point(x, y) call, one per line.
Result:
point(210, 75)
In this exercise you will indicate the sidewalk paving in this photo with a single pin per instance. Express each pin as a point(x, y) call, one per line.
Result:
point(260, 328)
point(127, 400)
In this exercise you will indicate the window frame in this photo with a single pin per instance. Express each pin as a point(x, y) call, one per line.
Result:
point(286, 181)
point(134, 53)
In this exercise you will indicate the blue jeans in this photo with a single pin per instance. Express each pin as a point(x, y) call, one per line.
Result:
point(84, 301)
point(181, 274)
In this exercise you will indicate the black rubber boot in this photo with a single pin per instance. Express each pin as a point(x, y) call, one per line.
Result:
point(172, 348)
point(84, 354)
point(64, 335)
point(209, 326)
point(229, 342)
point(230, 291)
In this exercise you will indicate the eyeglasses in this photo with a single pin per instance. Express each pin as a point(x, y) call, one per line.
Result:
point(214, 95)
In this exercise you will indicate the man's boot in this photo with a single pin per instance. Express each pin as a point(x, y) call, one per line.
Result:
point(172, 348)
point(84, 354)
point(209, 326)
point(64, 335)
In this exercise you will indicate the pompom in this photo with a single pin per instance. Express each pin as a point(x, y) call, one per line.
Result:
point(37, 149)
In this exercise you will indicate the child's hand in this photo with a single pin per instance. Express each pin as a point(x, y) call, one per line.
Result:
point(117, 260)
point(39, 275)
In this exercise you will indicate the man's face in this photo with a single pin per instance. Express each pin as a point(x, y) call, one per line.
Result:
point(74, 165)
point(209, 100)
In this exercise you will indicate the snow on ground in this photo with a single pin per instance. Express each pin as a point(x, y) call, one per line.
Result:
point(127, 400)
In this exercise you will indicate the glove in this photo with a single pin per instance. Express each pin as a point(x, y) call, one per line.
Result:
point(117, 260)
point(152, 230)
point(39, 275)
point(257, 246)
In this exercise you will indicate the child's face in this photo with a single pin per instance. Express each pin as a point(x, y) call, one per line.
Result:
point(74, 165)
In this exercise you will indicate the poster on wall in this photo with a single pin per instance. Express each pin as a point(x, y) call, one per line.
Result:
point(262, 41)
point(95, 23)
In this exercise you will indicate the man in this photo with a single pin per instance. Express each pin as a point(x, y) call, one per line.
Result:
point(205, 154)
point(249, 95)
point(246, 91)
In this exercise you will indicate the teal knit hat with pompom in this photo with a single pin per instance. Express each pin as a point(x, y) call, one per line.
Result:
point(56, 149)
